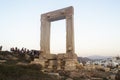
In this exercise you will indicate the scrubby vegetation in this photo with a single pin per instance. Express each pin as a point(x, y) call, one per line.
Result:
point(11, 70)
point(22, 72)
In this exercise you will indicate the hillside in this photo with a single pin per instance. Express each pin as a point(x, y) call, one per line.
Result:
point(14, 66)
point(97, 57)
point(83, 59)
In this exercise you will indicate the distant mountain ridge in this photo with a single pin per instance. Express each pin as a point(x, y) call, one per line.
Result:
point(83, 59)
point(94, 57)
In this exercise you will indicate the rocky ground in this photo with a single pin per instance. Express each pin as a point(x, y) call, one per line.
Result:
point(14, 66)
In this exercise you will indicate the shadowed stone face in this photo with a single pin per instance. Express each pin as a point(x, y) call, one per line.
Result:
point(47, 18)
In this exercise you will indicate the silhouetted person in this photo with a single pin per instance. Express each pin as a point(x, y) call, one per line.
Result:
point(16, 49)
point(28, 51)
point(0, 48)
point(22, 50)
point(25, 50)
point(12, 49)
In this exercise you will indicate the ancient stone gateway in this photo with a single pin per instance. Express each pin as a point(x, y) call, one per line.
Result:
point(64, 61)
point(47, 18)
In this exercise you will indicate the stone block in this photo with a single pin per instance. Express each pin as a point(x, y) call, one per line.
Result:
point(42, 62)
point(89, 67)
point(52, 62)
point(58, 68)
point(118, 67)
point(70, 64)
point(69, 79)
point(107, 69)
point(70, 56)
point(61, 56)
point(51, 56)
point(38, 61)
point(50, 67)
point(112, 77)
point(58, 64)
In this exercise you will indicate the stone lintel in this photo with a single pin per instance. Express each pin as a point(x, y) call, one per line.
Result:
point(58, 14)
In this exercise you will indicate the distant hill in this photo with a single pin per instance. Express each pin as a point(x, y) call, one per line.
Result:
point(94, 57)
point(83, 59)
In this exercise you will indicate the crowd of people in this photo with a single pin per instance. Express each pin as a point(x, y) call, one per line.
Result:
point(23, 51)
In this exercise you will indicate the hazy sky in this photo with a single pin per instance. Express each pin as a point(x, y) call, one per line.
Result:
point(96, 23)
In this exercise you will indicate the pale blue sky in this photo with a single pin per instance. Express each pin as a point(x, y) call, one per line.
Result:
point(96, 23)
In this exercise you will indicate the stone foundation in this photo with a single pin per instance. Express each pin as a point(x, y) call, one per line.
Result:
point(57, 62)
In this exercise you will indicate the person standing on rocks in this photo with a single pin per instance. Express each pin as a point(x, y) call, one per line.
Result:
point(0, 48)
